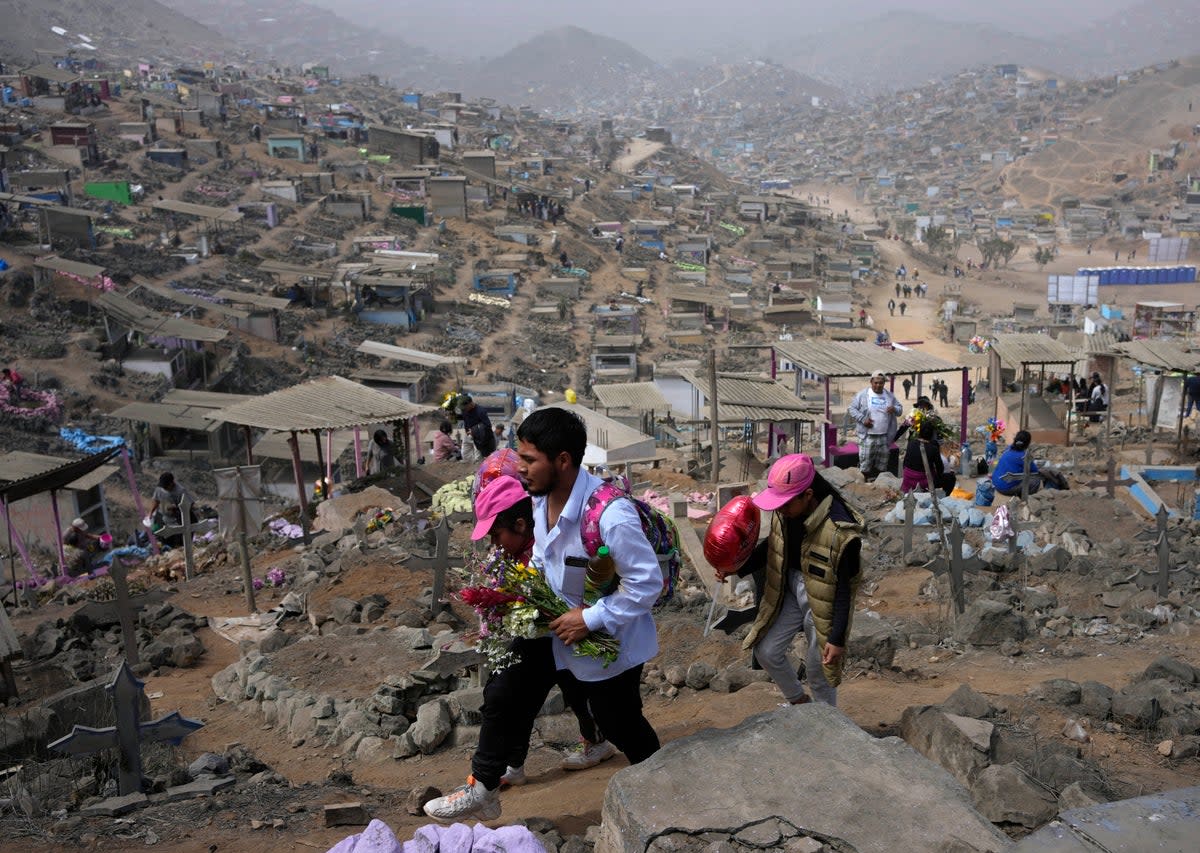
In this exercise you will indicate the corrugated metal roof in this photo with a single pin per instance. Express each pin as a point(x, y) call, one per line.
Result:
point(836, 359)
point(58, 264)
point(1032, 349)
point(331, 402)
point(259, 300)
point(181, 298)
point(53, 73)
point(282, 268)
point(168, 415)
point(692, 293)
point(202, 211)
point(129, 313)
point(17, 466)
point(1167, 355)
point(756, 398)
point(639, 396)
point(412, 356)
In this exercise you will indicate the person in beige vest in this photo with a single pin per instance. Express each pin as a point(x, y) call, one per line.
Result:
point(809, 564)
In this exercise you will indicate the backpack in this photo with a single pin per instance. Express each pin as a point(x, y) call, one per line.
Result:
point(660, 530)
point(482, 437)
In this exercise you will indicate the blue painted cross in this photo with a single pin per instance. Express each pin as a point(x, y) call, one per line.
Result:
point(129, 732)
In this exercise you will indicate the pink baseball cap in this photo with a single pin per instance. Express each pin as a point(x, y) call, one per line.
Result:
point(788, 477)
point(500, 494)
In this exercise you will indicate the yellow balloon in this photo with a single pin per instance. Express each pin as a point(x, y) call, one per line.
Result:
point(571, 396)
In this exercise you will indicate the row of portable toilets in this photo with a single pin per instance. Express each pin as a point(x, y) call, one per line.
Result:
point(1141, 275)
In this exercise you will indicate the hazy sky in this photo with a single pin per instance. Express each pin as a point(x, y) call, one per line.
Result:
point(666, 29)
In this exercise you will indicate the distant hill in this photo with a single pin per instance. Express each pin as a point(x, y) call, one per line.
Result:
point(904, 49)
point(1143, 34)
point(1113, 134)
point(292, 32)
point(115, 28)
point(560, 67)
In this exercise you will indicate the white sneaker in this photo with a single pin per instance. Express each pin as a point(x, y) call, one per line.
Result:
point(465, 801)
point(585, 755)
point(513, 776)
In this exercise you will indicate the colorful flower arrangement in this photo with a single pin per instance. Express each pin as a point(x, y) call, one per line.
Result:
point(978, 344)
point(275, 577)
point(941, 429)
point(381, 518)
point(993, 429)
point(513, 600)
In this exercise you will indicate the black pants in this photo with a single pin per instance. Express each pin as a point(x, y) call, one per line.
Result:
point(575, 697)
point(513, 697)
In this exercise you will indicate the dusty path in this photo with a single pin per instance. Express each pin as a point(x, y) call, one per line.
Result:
point(636, 151)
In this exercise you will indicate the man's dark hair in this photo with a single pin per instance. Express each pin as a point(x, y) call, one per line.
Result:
point(166, 480)
point(553, 430)
point(507, 519)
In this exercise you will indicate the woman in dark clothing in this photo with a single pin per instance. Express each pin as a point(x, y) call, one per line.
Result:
point(925, 444)
point(380, 456)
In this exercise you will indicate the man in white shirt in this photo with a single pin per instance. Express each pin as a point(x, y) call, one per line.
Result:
point(875, 411)
point(551, 442)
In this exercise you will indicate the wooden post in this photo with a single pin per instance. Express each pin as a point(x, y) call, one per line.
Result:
point(58, 532)
point(1163, 546)
point(321, 463)
point(713, 414)
point(1158, 395)
point(966, 400)
point(358, 464)
point(1025, 463)
point(298, 473)
point(957, 592)
point(1024, 422)
point(185, 520)
point(910, 504)
point(247, 578)
point(116, 571)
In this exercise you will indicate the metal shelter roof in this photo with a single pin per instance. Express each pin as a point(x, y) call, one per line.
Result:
point(57, 264)
point(743, 398)
point(130, 314)
point(1032, 349)
point(282, 268)
point(182, 298)
point(640, 396)
point(331, 402)
point(837, 359)
point(694, 293)
point(412, 356)
point(1166, 355)
point(201, 211)
point(52, 73)
point(258, 300)
point(26, 199)
point(23, 475)
point(176, 416)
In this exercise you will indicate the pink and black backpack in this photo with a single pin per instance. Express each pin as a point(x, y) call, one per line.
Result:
point(660, 530)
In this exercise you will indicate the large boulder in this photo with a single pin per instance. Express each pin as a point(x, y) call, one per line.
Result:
point(962, 745)
point(989, 623)
point(791, 764)
point(433, 726)
point(1006, 794)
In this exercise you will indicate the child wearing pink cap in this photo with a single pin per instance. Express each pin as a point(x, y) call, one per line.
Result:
point(809, 570)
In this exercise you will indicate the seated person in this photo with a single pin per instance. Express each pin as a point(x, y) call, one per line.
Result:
point(1010, 469)
point(925, 443)
point(80, 548)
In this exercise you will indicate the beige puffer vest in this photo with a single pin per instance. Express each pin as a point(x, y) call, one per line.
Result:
point(820, 554)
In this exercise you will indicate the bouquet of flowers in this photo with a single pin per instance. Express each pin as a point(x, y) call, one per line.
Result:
point(513, 600)
point(452, 404)
point(993, 429)
point(978, 344)
point(941, 429)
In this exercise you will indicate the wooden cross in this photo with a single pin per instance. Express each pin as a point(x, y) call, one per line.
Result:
point(129, 732)
point(188, 529)
point(440, 560)
point(1110, 482)
point(906, 527)
point(954, 563)
point(116, 570)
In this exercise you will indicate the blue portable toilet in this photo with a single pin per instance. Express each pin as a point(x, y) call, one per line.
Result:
point(1191, 274)
point(1106, 276)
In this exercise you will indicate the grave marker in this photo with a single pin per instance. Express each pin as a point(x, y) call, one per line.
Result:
point(439, 561)
point(954, 563)
point(129, 732)
point(1110, 482)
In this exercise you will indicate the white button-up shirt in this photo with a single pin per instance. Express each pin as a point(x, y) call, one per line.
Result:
point(624, 613)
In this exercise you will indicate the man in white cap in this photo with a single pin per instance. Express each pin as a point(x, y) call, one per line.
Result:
point(812, 573)
point(876, 412)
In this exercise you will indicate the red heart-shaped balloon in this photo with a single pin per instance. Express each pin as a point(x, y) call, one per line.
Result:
point(732, 534)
